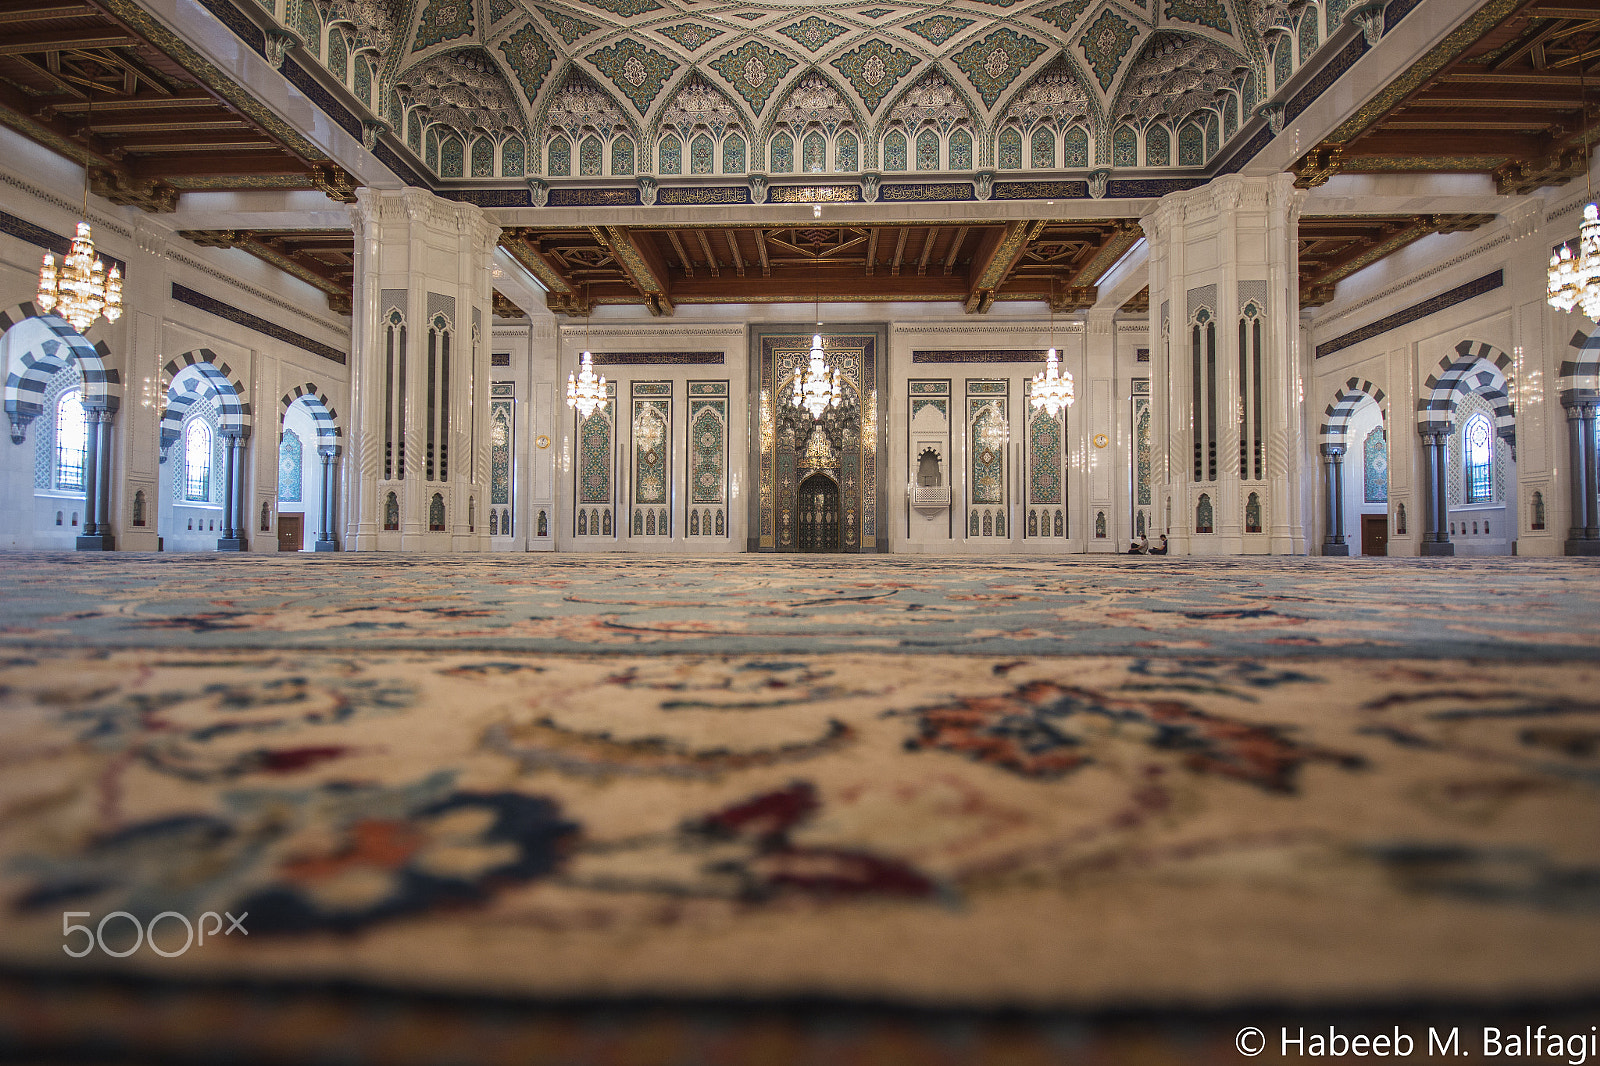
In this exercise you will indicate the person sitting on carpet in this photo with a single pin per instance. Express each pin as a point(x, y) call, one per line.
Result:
point(1140, 546)
point(1161, 550)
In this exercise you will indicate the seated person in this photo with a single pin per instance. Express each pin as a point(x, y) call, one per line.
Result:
point(1161, 550)
point(1140, 546)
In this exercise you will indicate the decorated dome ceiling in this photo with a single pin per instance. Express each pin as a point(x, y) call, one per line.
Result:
point(610, 88)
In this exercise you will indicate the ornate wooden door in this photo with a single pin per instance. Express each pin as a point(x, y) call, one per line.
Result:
point(817, 514)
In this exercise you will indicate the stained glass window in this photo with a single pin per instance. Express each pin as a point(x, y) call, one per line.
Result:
point(483, 158)
point(1191, 146)
point(670, 155)
point(338, 56)
point(1308, 33)
point(1282, 63)
point(1211, 137)
point(894, 151)
point(1479, 454)
point(589, 157)
point(432, 157)
point(72, 440)
point(961, 150)
point(560, 158)
point(1124, 147)
point(622, 156)
point(1157, 146)
point(702, 158)
point(363, 81)
point(927, 150)
point(733, 154)
point(782, 153)
point(847, 152)
point(1077, 143)
point(1010, 149)
point(815, 152)
point(414, 123)
point(1044, 149)
point(452, 162)
point(197, 461)
point(511, 158)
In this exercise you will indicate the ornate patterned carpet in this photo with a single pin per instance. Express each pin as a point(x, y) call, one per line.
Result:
point(1074, 789)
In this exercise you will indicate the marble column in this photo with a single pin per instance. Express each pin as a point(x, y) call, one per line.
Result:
point(330, 470)
point(1333, 477)
point(96, 535)
point(233, 509)
point(1591, 506)
point(1437, 540)
point(1579, 468)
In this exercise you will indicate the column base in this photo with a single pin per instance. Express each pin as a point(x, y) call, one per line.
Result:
point(232, 544)
point(102, 542)
point(329, 545)
point(1336, 549)
point(1572, 547)
point(1433, 547)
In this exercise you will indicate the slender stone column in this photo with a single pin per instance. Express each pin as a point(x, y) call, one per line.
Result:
point(1591, 505)
point(330, 470)
point(91, 476)
point(1333, 478)
point(233, 509)
point(1438, 541)
point(103, 502)
point(1580, 459)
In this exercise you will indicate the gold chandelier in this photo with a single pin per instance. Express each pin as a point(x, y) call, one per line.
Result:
point(817, 387)
point(1052, 386)
point(586, 391)
point(83, 289)
point(1575, 279)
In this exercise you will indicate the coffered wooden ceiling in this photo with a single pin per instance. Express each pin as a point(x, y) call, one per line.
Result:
point(975, 264)
point(972, 263)
point(1511, 94)
point(89, 85)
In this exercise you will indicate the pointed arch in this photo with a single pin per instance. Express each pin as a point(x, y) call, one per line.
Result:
point(322, 412)
point(1474, 367)
point(975, 112)
point(783, 97)
point(1063, 64)
point(1336, 421)
point(30, 370)
point(1581, 370)
point(210, 377)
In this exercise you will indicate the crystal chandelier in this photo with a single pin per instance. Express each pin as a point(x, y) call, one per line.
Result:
point(587, 390)
point(1052, 386)
point(83, 290)
point(817, 387)
point(1575, 280)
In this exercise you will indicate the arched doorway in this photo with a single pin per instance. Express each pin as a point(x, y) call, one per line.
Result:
point(817, 514)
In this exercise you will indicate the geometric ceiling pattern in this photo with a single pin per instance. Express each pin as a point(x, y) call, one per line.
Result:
point(497, 68)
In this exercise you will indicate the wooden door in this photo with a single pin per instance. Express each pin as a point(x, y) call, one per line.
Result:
point(291, 532)
point(1374, 534)
point(817, 514)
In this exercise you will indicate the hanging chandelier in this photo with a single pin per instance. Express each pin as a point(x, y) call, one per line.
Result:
point(817, 387)
point(1575, 280)
point(83, 290)
point(1052, 386)
point(586, 391)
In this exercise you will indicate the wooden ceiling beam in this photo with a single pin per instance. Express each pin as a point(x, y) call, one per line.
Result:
point(522, 243)
point(180, 124)
point(872, 250)
point(927, 250)
point(733, 250)
point(761, 249)
point(711, 257)
point(683, 255)
point(998, 254)
point(642, 265)
point(955, 249)
point(899, 251)
point(201, 165)
point(138, 102)
point(797, 288)
point(40, 12)
point(59, 41)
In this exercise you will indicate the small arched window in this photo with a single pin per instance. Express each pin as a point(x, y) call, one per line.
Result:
point(197, 461)
point(72, 441)
point(1477, 453)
